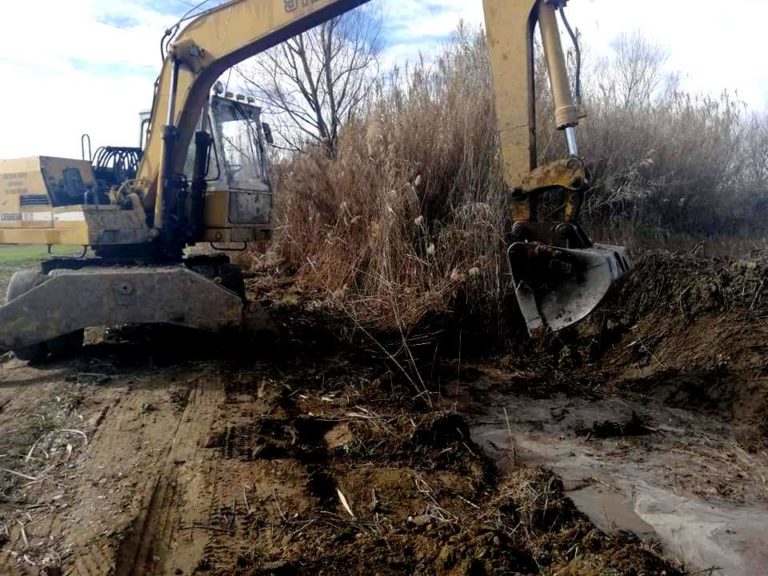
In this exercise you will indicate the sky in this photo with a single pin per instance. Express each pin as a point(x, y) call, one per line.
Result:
point(88, 66)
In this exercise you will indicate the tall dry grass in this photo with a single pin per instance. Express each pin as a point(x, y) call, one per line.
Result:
point(412, 207)
point(409, 218)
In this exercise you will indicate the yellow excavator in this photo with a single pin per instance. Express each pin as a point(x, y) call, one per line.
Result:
point(201, 176)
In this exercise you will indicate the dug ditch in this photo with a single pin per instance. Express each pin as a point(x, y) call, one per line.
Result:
point(685, 482)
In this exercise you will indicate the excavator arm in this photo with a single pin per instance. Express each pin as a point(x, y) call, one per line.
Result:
point(559, 275)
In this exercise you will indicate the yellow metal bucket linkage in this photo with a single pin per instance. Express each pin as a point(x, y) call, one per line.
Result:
point(559, 275)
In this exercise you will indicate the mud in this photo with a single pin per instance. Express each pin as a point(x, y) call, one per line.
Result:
point(269, 466)
point(687, 484)
point(663, 429)
point(632, 445)
point(688, 332)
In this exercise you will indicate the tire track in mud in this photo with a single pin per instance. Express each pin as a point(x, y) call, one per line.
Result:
point(134, 556)
point(255, 474)
point(149, 548)
point(150, 494)
point(228, 459)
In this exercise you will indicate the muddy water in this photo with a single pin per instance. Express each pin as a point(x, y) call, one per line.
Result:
point(687, 485)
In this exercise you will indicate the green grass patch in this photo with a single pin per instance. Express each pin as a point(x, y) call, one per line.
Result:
point(13, 258)
point(20, 256)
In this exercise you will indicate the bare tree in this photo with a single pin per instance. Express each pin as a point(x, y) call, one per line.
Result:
point(312, 83)
point(638, 66)
point(755, 153)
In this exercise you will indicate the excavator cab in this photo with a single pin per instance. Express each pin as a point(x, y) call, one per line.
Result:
point(230, 151)
point(240, 145)
point(240, 154)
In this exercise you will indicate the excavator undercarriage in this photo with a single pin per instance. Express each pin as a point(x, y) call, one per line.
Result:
point(48, 309)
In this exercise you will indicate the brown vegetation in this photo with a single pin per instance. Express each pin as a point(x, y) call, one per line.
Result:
point(413, 206)
point(409, 218)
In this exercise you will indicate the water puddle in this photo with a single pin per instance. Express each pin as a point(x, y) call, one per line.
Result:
point(610, 510)
point(687, 485)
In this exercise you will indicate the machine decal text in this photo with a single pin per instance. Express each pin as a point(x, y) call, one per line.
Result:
point(37, 216)
point(69, 217)
point(291, 5)
point(14, 187)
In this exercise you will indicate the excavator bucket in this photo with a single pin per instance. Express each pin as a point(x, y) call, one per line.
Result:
point(557, 287)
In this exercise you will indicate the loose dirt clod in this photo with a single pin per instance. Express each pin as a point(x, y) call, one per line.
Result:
point(634, 426)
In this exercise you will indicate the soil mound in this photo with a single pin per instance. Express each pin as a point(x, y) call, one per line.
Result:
point(685, 287)
point(690, 332)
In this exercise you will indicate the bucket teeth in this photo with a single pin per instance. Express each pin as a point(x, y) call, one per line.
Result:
point(557, 287)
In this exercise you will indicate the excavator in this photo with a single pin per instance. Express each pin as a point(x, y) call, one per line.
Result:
point(201, 176)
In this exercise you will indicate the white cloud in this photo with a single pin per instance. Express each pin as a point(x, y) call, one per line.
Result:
point(715, 45)
point(66, 71)
point(88, 65)
point(413, 21)
point(415, 28)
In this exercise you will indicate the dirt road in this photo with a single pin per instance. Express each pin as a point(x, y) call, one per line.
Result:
point(126, 464)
